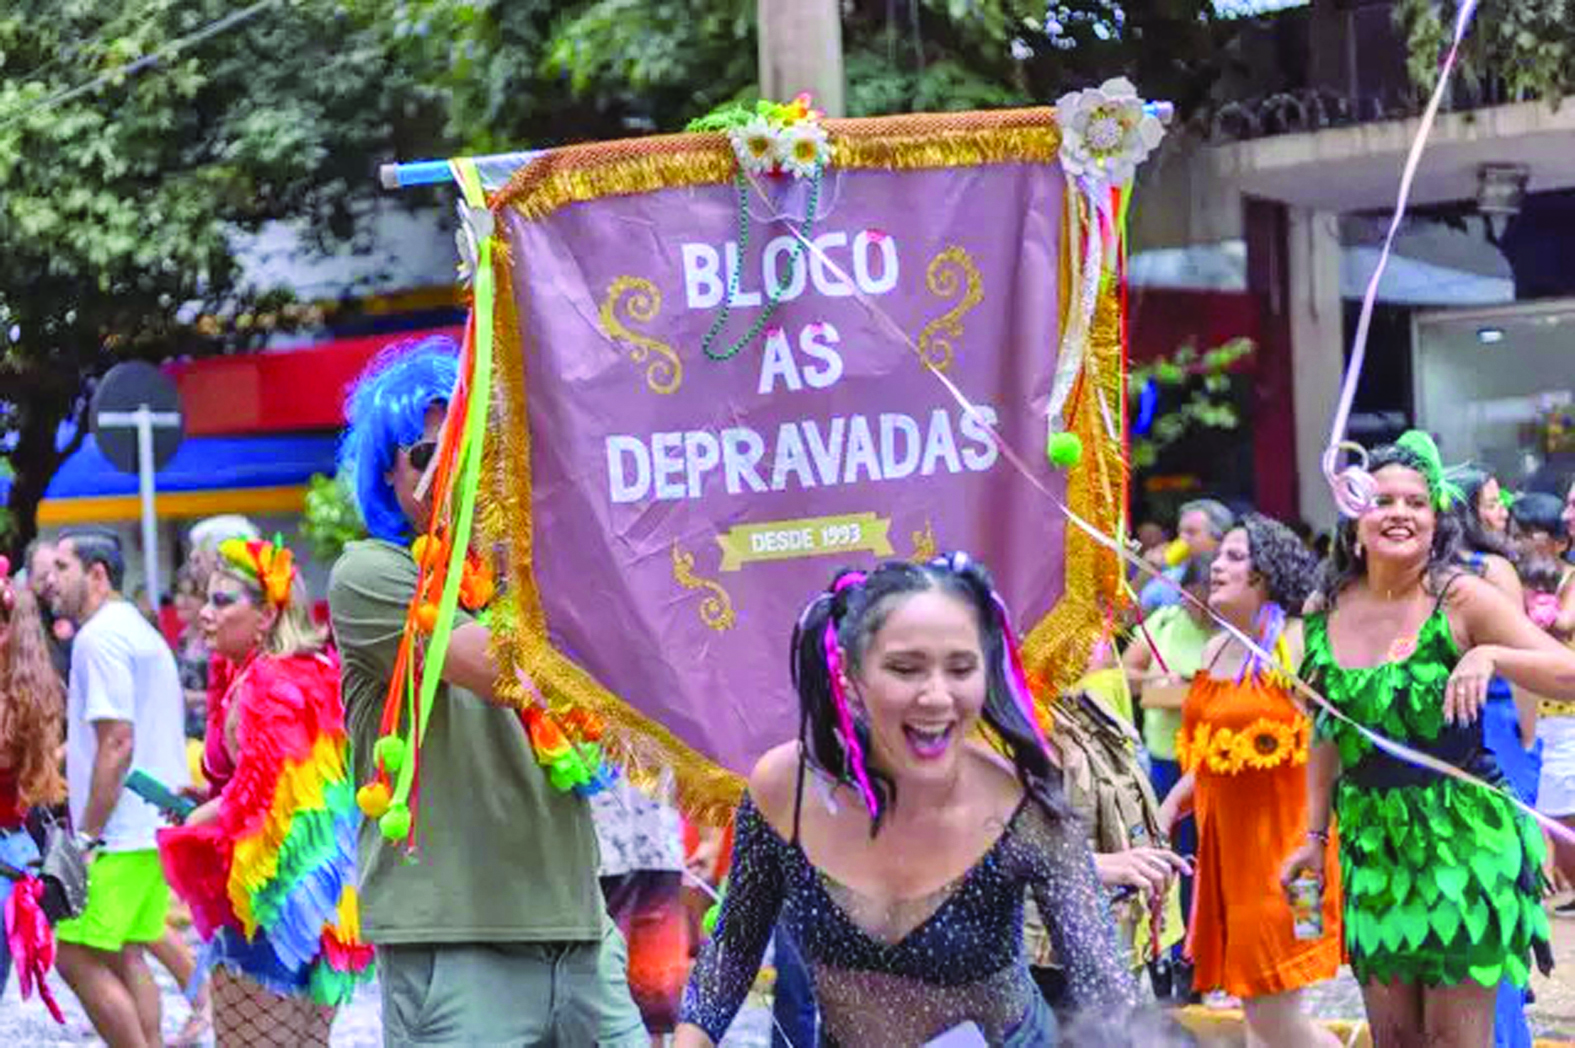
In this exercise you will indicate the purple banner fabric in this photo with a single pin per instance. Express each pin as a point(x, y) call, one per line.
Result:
point(687, 508)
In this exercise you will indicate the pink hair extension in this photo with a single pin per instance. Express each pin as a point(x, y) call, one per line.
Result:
point(850, 740)
point(1016, 678)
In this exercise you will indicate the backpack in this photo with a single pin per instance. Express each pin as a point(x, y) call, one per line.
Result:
point(1109, 793)
point(1103, 781)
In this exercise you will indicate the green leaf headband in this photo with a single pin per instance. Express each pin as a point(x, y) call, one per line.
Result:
point(1444, 490)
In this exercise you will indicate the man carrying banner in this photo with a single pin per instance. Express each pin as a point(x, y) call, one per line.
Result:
point(495, 931)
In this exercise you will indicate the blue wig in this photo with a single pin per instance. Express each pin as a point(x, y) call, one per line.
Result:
point(386, 411)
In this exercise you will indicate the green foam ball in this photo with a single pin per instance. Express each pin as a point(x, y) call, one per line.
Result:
point(390, 753)
point(395, 823)
point(1064, 450)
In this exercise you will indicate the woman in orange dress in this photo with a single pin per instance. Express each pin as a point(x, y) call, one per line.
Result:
point(1243, 748)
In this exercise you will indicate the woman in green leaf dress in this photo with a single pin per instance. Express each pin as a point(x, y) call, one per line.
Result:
point(1441, 878)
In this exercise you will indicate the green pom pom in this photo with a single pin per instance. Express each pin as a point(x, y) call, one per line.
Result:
point(708, 922)
point(568, 772)
point(1064, 450)
point(395, 823)
point(390, 753)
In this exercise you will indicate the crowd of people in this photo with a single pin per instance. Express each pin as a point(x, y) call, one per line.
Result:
point(934, 860)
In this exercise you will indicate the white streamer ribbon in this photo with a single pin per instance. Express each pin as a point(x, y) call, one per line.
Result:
point(1353, 486)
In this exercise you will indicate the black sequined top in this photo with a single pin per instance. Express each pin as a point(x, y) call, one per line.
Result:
point(902, 975)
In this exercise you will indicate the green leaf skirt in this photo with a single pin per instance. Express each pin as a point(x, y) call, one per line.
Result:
point(1442, 884)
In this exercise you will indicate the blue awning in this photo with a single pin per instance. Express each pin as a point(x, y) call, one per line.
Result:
point(204, 464)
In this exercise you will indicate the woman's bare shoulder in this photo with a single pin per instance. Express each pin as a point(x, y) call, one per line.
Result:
point(773, 784)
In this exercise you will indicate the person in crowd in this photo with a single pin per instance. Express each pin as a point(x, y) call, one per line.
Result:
point(1200, 526)
point(191, 649)
point(1538, 526)
point(1509, 730)
point(276, 906)
point(1243, 751)
point(1543, 577)
point(40, 559)
point(1164, 653)
point(1095, 750)
point(896, 848)
point(1152, 538)
point(499, 933)
point(218, 672)
point(1441, 878)
point(1568, 515)
point(642, 864)
point(124, 711)
point(31, 701)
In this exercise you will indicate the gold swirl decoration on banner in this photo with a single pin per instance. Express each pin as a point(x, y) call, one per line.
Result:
point(642, 300)
point(936, 340)
point(1056, 649)
point(924, 547)
point(716, 610)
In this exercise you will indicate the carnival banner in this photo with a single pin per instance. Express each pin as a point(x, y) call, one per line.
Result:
point(717, 382)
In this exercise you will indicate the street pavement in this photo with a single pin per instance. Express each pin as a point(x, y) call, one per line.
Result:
point(26, 1023)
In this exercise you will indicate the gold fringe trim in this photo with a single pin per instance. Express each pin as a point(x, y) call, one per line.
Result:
point(707, 792)
point(574, 174)
point(1057, 649)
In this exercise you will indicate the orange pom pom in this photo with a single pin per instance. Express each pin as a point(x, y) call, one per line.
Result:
point(477, 585)
point(426, 617)
point(427, 551)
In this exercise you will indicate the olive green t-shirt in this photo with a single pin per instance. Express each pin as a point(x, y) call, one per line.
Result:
point(501, 855)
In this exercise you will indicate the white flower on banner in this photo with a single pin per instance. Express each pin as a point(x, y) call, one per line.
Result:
point(756, 145)
point(804, 147)
point(1105, 131)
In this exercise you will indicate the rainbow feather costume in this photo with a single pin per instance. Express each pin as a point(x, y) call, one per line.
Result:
point(271, 882)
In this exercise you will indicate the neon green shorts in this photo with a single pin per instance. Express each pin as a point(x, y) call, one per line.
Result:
point(127, 902)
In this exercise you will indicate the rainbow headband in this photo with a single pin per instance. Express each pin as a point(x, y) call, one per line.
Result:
point(270, 565)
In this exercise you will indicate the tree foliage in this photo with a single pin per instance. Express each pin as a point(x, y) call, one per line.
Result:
point(118, 205)
point(1526, 46)
point(625, 66)
point(329, 520)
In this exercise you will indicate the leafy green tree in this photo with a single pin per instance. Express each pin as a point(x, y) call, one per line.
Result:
point(119, 204)
point(330, 519)
point(1528, 46)
point(626, 66)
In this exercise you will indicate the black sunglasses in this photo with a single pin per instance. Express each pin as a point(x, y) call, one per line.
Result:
point(420, 455)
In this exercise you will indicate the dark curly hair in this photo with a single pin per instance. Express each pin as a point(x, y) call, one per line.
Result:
point(1345, 566)
point(858, 612)
point(1281, 559)
point(1474, 535)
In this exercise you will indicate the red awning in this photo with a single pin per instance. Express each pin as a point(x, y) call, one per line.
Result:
point(286, 389)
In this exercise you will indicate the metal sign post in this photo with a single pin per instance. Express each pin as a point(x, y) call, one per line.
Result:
point(138, 425)
point(145, 420)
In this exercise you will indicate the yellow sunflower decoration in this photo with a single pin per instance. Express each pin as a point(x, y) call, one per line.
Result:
point(1192, 752)
point(1222, 754)
point(1267, 743)
point(1302, 734)
point(1263, 744)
